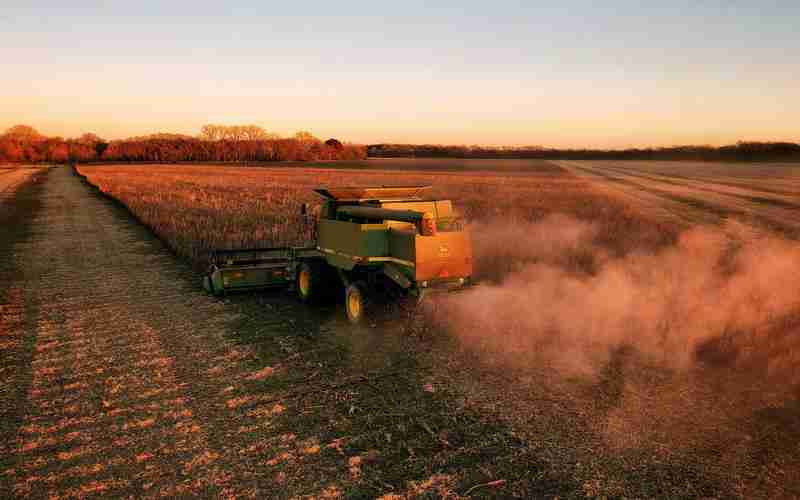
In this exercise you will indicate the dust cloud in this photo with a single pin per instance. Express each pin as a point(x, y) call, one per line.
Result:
point(557, 299)
point(687, 350)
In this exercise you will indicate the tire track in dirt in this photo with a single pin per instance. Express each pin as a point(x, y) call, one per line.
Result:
point(745, 193)
point(653, 202)
point(760, 212)
point(769, 208)
point(16, 316)
point(702, 202)
point(778, 180)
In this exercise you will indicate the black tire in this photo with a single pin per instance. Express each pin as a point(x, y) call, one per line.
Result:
point(356, 302)
point(312, 282)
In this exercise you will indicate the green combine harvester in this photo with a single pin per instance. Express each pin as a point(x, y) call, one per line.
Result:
point(376, 243)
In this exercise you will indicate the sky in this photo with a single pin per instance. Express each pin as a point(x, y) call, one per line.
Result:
point(572, 73)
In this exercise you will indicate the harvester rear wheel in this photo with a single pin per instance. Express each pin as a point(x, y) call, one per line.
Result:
point(356, 302)
point(311, 282)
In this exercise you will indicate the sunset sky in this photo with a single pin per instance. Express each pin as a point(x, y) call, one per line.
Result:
point(562, 74)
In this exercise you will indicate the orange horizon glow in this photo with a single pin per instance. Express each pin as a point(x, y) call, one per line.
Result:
point(668, 116)
point(577, 76)
point(556, 134)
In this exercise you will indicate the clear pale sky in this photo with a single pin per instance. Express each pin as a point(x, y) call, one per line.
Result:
point(569, 73)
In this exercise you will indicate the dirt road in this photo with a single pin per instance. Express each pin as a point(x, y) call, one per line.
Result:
point(122, 378)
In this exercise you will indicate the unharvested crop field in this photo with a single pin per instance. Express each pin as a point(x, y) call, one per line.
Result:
point(636, 337)
point(196, 209)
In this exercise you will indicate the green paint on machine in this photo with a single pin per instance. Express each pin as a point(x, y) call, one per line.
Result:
point(379, 238)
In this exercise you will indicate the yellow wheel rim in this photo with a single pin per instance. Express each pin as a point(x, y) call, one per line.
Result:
point(305, 282)
point(354, 304)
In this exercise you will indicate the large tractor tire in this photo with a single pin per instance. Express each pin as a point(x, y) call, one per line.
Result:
point(356, 302)
point(312, 284)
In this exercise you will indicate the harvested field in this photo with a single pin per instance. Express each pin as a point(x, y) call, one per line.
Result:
point(11, 177)
point(765, 196)
point(636, 339)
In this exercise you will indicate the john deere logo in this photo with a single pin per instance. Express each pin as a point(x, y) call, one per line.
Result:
point(443, 251)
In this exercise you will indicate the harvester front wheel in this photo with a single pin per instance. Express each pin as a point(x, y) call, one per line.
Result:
point(356, 302)
point(310, 282)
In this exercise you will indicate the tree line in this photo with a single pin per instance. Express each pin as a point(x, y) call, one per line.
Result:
point(215, 143)
point(251, 143)
point(741, 151)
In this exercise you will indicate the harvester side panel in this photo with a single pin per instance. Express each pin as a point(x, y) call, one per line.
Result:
point(349, 239)
point(402, 246)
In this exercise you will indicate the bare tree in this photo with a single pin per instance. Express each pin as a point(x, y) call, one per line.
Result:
point(211, 132)
point(305, 137)
point(24, 134)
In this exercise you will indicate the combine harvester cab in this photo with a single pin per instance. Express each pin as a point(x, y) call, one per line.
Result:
point(378, 244)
